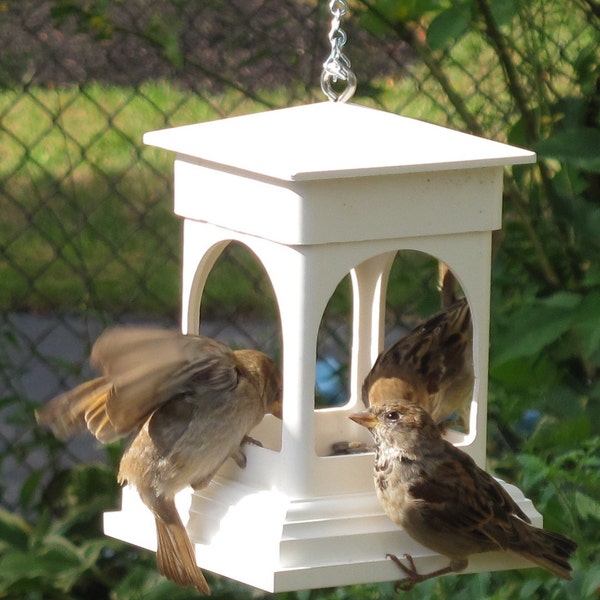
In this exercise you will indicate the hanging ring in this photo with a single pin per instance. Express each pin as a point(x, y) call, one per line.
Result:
point(328, 78)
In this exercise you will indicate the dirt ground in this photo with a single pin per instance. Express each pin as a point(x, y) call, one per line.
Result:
point(203, 44)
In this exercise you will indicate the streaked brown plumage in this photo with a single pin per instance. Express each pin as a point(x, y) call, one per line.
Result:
point(189, 402)
point(442, 499)
point(431, 366)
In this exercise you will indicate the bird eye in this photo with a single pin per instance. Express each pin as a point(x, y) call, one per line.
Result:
point(393, 415)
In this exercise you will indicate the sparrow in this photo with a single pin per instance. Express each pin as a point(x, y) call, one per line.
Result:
point(444, 501)
point(431, 366)
point(189, 403)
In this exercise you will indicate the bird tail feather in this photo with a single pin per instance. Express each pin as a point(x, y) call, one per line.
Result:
point(549, 550)
point(175, 556)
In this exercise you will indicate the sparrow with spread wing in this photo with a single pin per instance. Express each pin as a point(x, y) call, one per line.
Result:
point(189, 403)
point(443, 500)
point(432, 366)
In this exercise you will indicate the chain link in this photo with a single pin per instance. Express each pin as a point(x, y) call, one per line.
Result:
point(337, 67)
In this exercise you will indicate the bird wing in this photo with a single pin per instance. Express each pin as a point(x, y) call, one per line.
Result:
point(148, 367)
point(456, 491)
point(429, 357)
point(69, 412)
point(143, 368)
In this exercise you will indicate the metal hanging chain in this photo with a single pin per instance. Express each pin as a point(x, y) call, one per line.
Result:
point(337, 67)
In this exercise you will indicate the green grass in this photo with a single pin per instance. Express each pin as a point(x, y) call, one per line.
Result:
point(87, 222)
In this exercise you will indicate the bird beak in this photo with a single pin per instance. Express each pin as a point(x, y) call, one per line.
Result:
point(277, 409)
point(364, 418)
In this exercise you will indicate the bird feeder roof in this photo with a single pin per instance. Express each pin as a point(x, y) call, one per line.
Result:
point(329, 140)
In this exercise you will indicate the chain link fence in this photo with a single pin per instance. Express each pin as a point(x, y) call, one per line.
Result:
point(87, 234)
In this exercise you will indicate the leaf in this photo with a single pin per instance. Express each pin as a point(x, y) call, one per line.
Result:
point(172, 48)
point(30, 488)
point(530, 588)
point(576, 213)
point(579, 146)
point(591, 277)
point(585, 66)
point(532, 329)
point(18, 565)
point(566, 432)
point(61, 10)
point(562, 300)
point(14, 530)
point(386, 13)
point(570, 184)
point(503, 11)
point(55, 562)
point(535, 469)
point(586, 322)
point(592, 581)
point(144, 583)
point(167, 36)
point(517, 134)
point(90, 551)
point(407, 10)
point(537, 373)
point(448, 26)
point(587, 507)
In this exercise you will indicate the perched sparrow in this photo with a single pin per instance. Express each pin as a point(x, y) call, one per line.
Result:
point(443, 500)
point(431, 366)
point(190, 403)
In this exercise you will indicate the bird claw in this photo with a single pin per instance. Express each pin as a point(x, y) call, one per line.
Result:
point(250, 440)
point(412, 576)
point(404, 585)
point(240, 458)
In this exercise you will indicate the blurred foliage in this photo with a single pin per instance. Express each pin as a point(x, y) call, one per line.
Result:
point(544, 432)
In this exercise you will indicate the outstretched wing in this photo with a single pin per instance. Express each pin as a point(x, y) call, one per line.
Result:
point(142, 369)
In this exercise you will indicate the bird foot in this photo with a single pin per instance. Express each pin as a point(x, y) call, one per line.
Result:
point(239, 456)
point(250, 440)
point(412, 576)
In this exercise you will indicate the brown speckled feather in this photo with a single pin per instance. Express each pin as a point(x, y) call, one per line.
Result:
point(431, 366)
point(443, 500)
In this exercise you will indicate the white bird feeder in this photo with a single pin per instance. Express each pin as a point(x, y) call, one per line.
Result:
point(317, 192)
